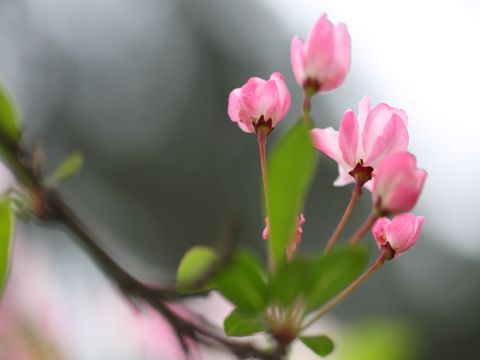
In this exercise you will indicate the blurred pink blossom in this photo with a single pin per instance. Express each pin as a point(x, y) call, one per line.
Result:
point(41, 319)
point(397, 183)
point(322, 62)
point(365, 139)
point(400, 233)
point(259, 103)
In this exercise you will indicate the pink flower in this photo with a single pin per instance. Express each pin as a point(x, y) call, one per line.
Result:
point(298, 235)
point(323, 61)
point(398, 234)
point(397, 183)
point(366, 139)
point(259, 103)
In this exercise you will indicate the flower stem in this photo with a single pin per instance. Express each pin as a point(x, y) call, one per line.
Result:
point(307, 105)
point(334, 301)
point(357, 191)
point(262, 138)
point(365, 227)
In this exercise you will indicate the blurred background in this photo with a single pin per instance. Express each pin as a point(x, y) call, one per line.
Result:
point(141, 88)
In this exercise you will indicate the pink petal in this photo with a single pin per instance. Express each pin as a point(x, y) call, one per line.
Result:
point(234, 104)
point(340, 64)
point(326, 140)
point(319, 49)
point(398, 182)
point(364, 108)
point(283, 96)
point(419, 221)
point(406, 193)
point(400, 231)
point(369, 185)
point(268, 101)
point(344, 178)
point(348, 138)
point(250, 95)
point(379, 231)
point(265, 232)
point(246, 126)
point(237, 113)
point(297, 57)
point(375, 124)
point(393, 139)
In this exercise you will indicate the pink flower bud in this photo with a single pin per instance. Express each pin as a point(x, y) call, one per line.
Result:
point(298, 235)
point(259, 103)
point(322, 62)
point(397, 235)
point(365, 139)
point(397, 183)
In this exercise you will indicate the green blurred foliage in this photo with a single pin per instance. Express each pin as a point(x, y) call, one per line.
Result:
point(9, 123)
point(321, 344)
point(6, 235)
point(380, 340)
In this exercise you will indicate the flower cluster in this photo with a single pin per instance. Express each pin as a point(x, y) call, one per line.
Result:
point(370, 147)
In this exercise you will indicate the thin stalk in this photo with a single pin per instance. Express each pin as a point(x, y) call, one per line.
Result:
point(334, 301)
point(357, 191)
point(365, 227)
point(307, 105)
point(262, 137)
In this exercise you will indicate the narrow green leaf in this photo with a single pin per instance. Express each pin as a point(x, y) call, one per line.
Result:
point(291, 167)
point(67, 168)
point(334, 272)
point(8, 116)
point(193, 265)
point(244, 323)
point(321, 344)
point(292, 280)
point(242, 282)
point(6, 236)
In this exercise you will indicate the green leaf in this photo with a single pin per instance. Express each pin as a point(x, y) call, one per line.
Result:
point(292, 279)
point(8, 116)
point(321, 345)
point(242, 282)
point(380, 339)
point(6, 235)
point(193, 265)
point(291, 168)
point(334, 272)
point(67, 168)
point(244, 323)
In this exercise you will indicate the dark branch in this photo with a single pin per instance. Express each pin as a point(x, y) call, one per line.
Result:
point(49, 207)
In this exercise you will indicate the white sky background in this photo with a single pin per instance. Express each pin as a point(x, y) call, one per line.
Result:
point(424, 57)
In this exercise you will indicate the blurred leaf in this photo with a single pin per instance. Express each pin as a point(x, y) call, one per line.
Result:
point(244, 323)
point(291, 167)
point(321, 345)
point(6, 235)
point(380, 340)
point(193, 265)
point(291, 280)
point(8, 116)
point(67, 168)
point(334, 272)
point(243, 282)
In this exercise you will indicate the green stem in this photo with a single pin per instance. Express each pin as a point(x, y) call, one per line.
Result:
point(357, 191)
point(334, 301)
point(365, 227)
